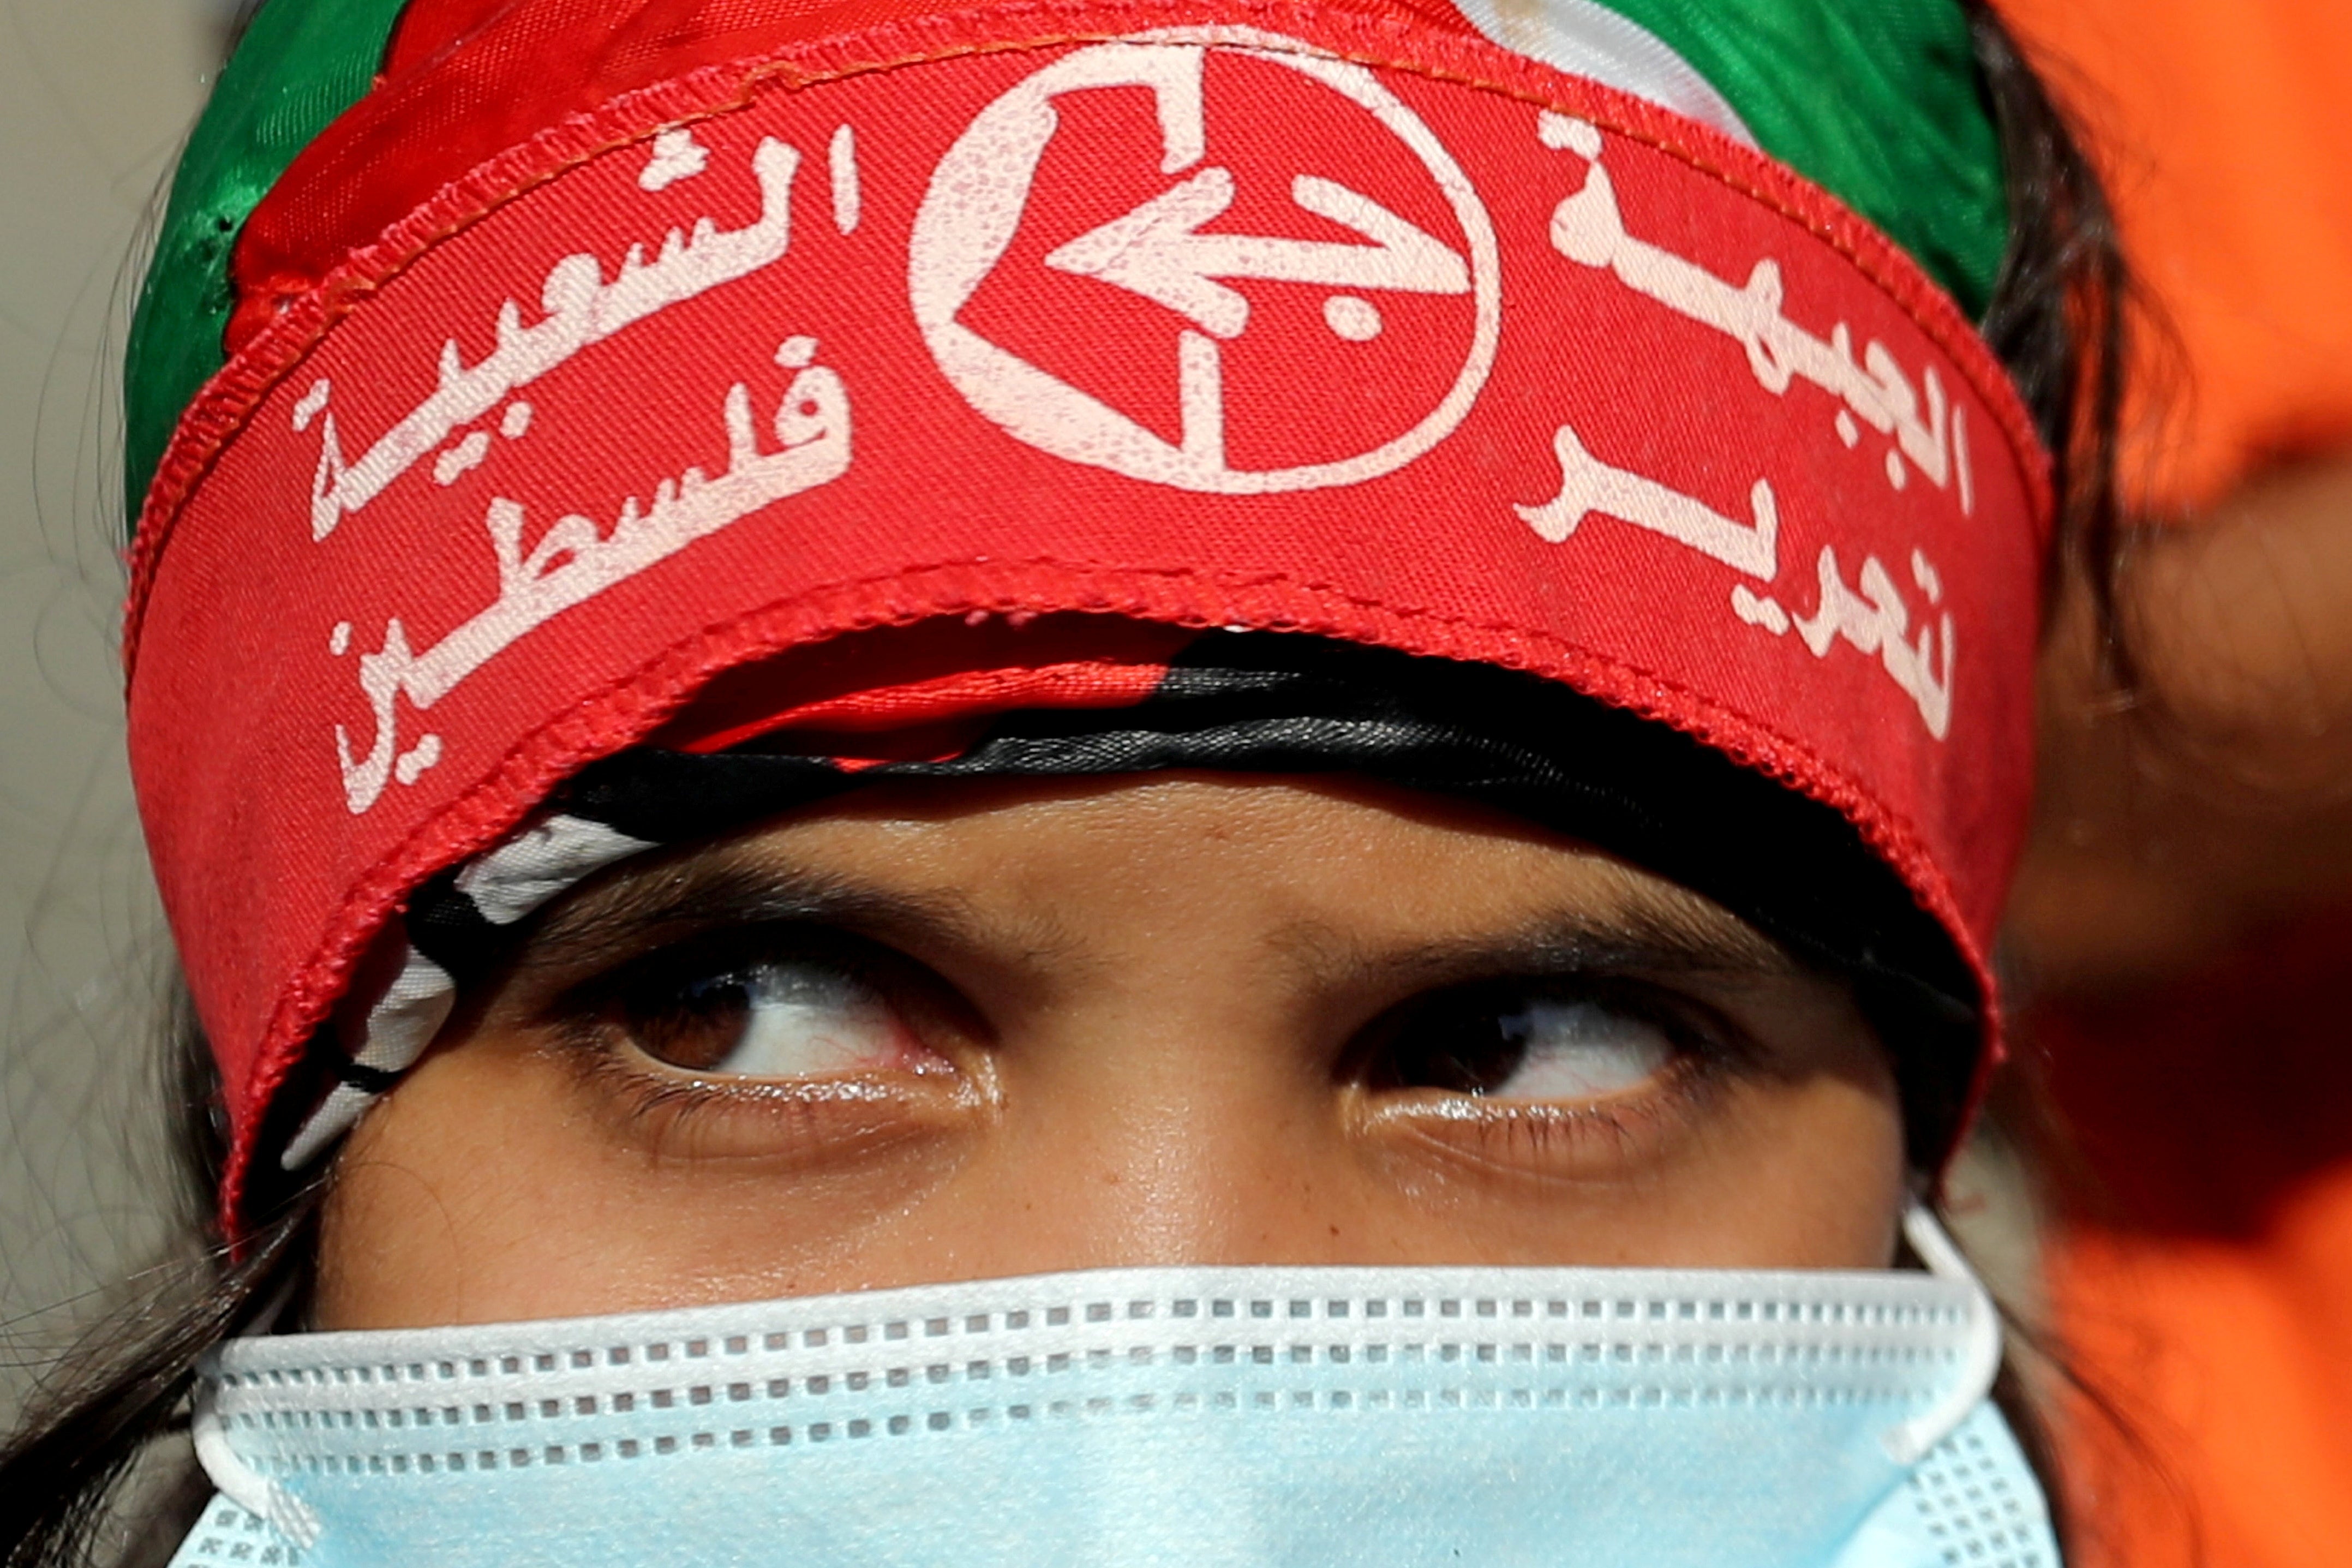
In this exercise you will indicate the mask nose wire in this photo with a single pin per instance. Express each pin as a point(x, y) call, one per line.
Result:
point(1910, 1441)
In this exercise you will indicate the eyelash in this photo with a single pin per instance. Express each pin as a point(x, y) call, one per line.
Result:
point(663, 1103)
point(666, 1108)
point(1501, 1134)
point(1696, 1032)
point(667, 971)
point(1709, 1051)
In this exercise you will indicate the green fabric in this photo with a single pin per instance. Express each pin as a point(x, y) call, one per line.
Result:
point(1910, 144)
point(301, 63)
point(1876, 101)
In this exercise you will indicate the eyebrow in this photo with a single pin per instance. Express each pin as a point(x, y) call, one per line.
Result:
point(643, 906)
point(1655, 934)
point(1656, 931)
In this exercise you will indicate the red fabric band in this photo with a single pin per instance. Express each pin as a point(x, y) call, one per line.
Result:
point(1361, 331)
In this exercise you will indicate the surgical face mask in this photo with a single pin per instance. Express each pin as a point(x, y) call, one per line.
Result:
point(1273, 1416)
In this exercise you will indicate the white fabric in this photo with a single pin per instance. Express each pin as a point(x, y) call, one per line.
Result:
point(539, 862)
point(1587, 39)
point(386, 1033)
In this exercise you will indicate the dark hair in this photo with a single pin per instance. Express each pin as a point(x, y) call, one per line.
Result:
point(2059, 315)
point(126, 1382)
point(2056, 320)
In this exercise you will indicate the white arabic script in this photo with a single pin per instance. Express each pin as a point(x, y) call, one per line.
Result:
point(676, 155)
point(581, 310)
point(1589, 485)
point(572, 561)
point(1875, 620)
point(1588, 228)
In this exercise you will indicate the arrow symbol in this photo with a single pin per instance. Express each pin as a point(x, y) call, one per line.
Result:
point(1157, 251)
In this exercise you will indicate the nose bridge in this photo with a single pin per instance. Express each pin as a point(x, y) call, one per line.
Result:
point(1177, 1116)
point(1171, 1097)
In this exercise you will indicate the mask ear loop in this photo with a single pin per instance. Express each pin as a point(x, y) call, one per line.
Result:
point(240, 1482)
point(1913, 1440)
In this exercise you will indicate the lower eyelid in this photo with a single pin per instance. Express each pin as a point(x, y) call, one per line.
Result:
point(1538, 1137)
point(820, 1123)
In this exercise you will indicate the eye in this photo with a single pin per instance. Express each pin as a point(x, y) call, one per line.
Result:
point(1529, 1041)
point(770, 1016)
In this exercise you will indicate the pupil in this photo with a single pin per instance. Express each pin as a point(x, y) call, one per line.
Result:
point(699, 1026)
point(1472, 1051)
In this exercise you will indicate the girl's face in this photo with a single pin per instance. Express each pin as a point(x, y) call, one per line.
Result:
point(939, 1032)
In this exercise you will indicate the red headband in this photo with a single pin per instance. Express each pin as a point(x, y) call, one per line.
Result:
point(1207, 313)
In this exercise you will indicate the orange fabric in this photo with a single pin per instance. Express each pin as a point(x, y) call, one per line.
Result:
point(2206, 1282)
point(2226, 131)
point(2231, 1364)
point(2210, 1297)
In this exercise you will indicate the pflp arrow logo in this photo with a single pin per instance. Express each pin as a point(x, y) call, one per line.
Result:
point(1157, 251)
point(1165, 250)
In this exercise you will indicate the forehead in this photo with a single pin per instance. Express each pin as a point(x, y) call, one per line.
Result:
point(1320, 860)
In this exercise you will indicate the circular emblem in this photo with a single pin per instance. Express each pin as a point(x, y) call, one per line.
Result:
point(1342, 243)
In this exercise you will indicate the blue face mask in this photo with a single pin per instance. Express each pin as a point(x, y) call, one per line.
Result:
point(1275, 1417)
